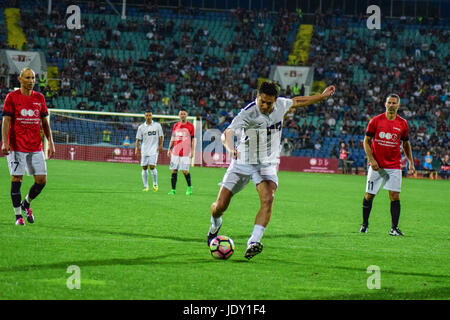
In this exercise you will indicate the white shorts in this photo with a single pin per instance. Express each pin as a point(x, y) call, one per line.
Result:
point(180, 163)
point(31, 162)
point(238, 175)
point(149, 160)
point(392, 179)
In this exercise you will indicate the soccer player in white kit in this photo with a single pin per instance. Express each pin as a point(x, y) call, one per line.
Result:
point(256, 156)
point(151, 135)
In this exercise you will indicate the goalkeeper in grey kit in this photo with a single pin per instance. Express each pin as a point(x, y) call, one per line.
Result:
point(256, 156)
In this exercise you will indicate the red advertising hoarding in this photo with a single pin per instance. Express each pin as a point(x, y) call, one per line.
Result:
point(100, 153)
point(303, 164)
point(222, 160)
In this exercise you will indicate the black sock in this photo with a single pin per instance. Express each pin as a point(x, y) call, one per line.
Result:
point(395, 213)
point(35, 190)
point(367, 207)
point(188, 179)
point(174, 181)
point(16, 197)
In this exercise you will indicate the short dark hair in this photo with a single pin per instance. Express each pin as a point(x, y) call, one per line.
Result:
point(148, 111)
point(269, 87)
point(182, 109)
point(394, 95)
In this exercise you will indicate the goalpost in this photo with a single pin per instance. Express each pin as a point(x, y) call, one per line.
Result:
point(101, 136)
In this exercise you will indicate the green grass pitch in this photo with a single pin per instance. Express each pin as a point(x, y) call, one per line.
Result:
point(130, 244)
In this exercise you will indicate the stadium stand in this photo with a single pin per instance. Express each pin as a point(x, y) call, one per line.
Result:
point(209, 62)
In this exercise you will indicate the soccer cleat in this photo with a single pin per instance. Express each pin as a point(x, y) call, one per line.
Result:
point(19, 221)
point(172, 191)
point(395, 232)
point(189, 191)
point(253, 249)
point(211, 236)
point(155, 188)
point(145, 189)
point(364, 228)
point(28, 213)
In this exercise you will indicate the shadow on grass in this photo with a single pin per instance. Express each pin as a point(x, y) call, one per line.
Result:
point(155, 260)
point(419, 274)
point(302, 235)
point(389, 293)
point(178, 238)
point(127, 234)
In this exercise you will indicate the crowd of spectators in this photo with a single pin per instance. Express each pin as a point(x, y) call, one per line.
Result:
point(419, 76)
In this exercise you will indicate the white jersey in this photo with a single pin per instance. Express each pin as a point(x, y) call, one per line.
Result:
point(260, 134)
point(149, 136)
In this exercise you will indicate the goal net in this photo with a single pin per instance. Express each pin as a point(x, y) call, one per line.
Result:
point(108, 136)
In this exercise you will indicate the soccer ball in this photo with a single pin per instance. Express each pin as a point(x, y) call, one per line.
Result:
point(222, 247)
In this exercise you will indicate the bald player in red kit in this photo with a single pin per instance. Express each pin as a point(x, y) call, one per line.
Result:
point(385, 135)
point(24, 113)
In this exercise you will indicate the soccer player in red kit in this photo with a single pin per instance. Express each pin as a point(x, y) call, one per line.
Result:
point(181, 150)
point(24, 112)
point(385, 134)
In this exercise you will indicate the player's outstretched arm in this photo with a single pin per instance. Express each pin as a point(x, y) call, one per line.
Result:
point(5, 128)
point(304, 101)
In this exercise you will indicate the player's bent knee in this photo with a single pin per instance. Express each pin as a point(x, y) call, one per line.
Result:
point(40, 179)
point(16, 178)
point(369, 196)
point(394, 196)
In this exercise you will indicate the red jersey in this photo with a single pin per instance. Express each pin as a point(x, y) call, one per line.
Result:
point(386, 140)
point(24, 133)
point(182, 135)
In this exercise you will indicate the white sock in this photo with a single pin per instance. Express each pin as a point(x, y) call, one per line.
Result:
point(145, 178)
point(215, 224)
point(18, 211)
point(154, 176)
point(257, 234)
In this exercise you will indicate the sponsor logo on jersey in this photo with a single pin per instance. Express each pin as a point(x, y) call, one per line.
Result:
point(29, 113)
point(388, 136)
